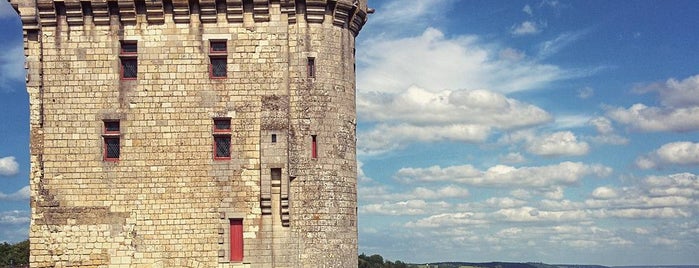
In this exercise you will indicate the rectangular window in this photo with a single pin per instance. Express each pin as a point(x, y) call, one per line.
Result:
point(111, 134)
point(128, 56)
point(314, 147)
point(218, 52)
point(311, 67)
point(274, 138)
point(236, 240)
point(222, 138)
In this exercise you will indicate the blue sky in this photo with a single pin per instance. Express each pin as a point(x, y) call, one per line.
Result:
point(494, 130)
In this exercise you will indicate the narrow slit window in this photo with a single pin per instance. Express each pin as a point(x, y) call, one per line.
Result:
point(311, 67)
point(274, 138)
point(128, 56)
point(314, 147)
point(111, 135)
point(222, 138)
point(218, 51)
point(236, 240)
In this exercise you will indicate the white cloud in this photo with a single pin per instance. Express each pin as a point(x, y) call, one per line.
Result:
point(504, 202)
point(679, 110)
point(675, 153)
point(434, 62)
point(565, 173)
point(409, 207)
point(512, 158)
point(551, 47)
point(14, 217)
point(604, 193)
point(455, 115)
point(644, 118)
point(674, 93)
point(557, 144)
point(586, 92)
point(21, 194)
point(12, 66)
point(605, 129)
point(8, 166)
point(389, 137)
point(525, 28)
point(447, 220)
point(417, 14)
point(602, 124)
point(528, 9)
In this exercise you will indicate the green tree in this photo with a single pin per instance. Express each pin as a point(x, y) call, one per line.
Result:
point(14, 254)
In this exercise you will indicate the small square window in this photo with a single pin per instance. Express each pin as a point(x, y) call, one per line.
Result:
point(218, 46)
point(222, 125)
point(111, 127)
point(128, 47)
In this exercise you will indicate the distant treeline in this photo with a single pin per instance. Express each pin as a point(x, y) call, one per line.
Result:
point(14, 255)
point(376, 261)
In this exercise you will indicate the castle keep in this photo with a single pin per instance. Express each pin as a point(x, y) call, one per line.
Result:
point(192, 133)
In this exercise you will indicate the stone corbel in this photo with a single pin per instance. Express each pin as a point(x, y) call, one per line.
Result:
point(180, 11)
point(234, 11)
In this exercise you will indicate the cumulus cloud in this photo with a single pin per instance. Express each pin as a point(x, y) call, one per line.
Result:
point(604, 193)
point(14, 217)
point(602, 124)
point(606, 132)
point(8, 166)
point(435, 62)
point(565, 173)
point(675, 93)
point(675, 153)
point(586, 92)
point(12, 66)
point(645, 118)
point(512, 158)
point(447, 220)
point(456, 115)
point(21, 194)
point(679, 110)
point(409, 207)
point(525, 28)
point(417, 14)
point(528, 9)
point(557, 144)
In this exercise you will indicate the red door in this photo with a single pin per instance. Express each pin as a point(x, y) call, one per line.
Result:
point(236, 240)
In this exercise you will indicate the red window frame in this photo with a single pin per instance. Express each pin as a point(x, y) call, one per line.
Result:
point(128, 54)
point(314, 147)
point(111, 132)
point(221, 133)
point(218, 55)
point(236, 240)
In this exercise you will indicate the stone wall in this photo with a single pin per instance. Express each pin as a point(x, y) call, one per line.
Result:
point(167, 202)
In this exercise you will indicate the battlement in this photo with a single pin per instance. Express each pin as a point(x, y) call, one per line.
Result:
point(350, 14)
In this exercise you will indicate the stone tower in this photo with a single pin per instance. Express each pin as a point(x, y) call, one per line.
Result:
point(192, 133)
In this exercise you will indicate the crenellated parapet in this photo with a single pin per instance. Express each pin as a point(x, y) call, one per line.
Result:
point(350, 14)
